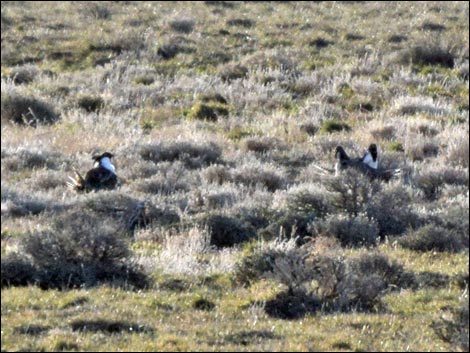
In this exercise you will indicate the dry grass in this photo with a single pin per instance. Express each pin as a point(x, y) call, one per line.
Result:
point(216, 112)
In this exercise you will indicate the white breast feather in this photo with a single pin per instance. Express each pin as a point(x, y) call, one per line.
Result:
point(106, 163)
point(369, 161)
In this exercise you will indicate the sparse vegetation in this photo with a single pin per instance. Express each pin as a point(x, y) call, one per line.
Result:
point(222, 226)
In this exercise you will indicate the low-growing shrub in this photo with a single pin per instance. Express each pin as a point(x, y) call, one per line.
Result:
point(252, 266)
point(455, 330)
point(208, 111)
point(357, 231)
point(289, 225)
point(291, 306)
point(29, 111)
point(419, 150)
point(17, 270)
point(23, 74)
point(182, 26)
point(190, 154)
point(352, 191)
point(226, 231)
point(81, 250)
point(90, 103)
point(252, 176)
point(242, 22)
point(321, 280)
point(316, 201)
point(330, 126)
point(232, 72)
point(432, 238)
point(392, 210)
point(424, 55)
point(217, 174)
point(203, 304)
point(391, 272)
point(31, 159)
point(109, 327)
point(260, 144)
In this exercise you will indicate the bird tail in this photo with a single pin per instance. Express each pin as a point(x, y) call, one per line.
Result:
point(77, 183)
point(322, 170)
point(393, 173)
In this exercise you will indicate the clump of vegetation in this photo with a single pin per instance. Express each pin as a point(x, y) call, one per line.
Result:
point(31, 159)
point(23, 74)
point(170, 49)
point(357, 231)
point(260, 144)
point(309, 128)
point(203, 304)
point(79, 251)
point(17, 270)
point(432, 238)
point(182, 26)
point(395, 146)
point(191, 154)
point(109, 326)
point(330, 126)
point(29, 111)
point(391, 209)
point(144, 80)
point(352, 191)
point(322, 280)
point(266, 177)
point(320, 43)
point(242, 22)
point(232, 72)
point(208, 111)
point(455, 329)
point(289, 225)
point(90, 103)
point(226, 231)
point(425, 55)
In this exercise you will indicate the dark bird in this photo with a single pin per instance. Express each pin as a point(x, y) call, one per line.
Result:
point(102, 176)
point(368, 164)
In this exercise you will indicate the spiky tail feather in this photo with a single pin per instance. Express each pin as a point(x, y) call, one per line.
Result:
point(322, 170)
point(77, 183)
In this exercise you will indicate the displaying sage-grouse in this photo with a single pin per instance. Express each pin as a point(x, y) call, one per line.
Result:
point(367, 164)
point(102, 176)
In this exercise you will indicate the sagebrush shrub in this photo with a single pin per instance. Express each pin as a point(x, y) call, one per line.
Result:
point(232, 72)
point(392, 210)
point(430, 54)
point(357, 231)
point(329, 281)
point(24, 74)
point(90, 103)
point(455, 330)
point(432, 238)
point(260, 144)
point(29, 111)
point(309, 200)
point(17, 270)
point(225, 231)
point(330, 126)
point(31, 159)
point(182, 26)
point(352, 190)
point(290, 225)
point(265, 176)
point(81, 250)
point(191, 154)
